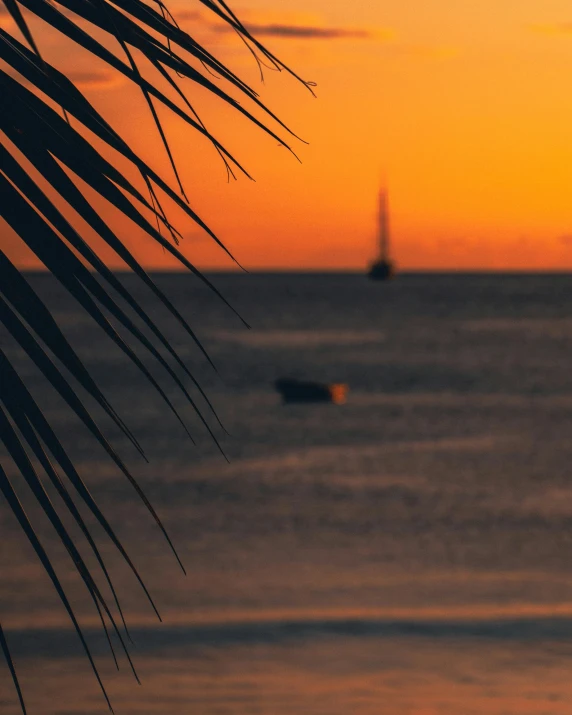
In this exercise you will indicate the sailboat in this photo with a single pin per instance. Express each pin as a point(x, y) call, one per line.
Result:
point(383, 268)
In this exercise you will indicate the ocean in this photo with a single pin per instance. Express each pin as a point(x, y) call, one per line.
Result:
point(406, 553)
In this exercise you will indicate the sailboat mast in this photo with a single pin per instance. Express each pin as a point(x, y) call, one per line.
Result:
point(383, 226)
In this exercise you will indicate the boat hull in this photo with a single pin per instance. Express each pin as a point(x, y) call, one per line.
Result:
point(307, 392)
point(382, 271)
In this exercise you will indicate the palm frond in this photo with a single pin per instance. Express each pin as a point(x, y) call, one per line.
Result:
point(42, 156)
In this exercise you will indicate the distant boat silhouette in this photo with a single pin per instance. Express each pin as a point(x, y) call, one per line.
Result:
point(305, 391)
point(383, 269)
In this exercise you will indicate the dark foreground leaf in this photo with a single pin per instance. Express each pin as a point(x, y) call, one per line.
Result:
point(44, 158)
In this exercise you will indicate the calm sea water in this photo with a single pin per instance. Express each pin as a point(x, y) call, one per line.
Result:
point(409, 552)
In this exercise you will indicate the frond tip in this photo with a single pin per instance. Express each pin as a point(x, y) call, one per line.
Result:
point(6, 651)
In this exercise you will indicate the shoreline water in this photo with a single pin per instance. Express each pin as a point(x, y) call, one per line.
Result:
point(408, 551)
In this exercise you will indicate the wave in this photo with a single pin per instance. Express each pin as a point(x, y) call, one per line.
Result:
point(513, 623)
point(298, 338)
point(326, 456)
point(460, 399)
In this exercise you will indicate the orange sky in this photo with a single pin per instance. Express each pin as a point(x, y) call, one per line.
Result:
point(465, 108)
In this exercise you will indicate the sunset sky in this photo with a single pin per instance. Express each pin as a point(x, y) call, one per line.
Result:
point(464, 110)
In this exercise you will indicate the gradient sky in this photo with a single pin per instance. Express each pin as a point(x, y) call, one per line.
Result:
point(463, 109)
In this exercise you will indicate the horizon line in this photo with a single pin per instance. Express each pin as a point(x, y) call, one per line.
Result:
point(336, 271)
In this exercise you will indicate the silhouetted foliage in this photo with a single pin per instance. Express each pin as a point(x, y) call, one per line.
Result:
point(43, 118)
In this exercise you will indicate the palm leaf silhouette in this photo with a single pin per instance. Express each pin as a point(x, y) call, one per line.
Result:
point(43, 120)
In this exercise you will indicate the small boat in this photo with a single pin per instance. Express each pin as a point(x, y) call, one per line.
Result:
point(304, 391)
point(383, 269)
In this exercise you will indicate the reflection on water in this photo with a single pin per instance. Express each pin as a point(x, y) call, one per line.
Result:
point(406, 552)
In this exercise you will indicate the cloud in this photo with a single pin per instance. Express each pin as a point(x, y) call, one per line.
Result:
point(303, 32)
point(185, 15)
point(308, 32)
point(297, 25)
